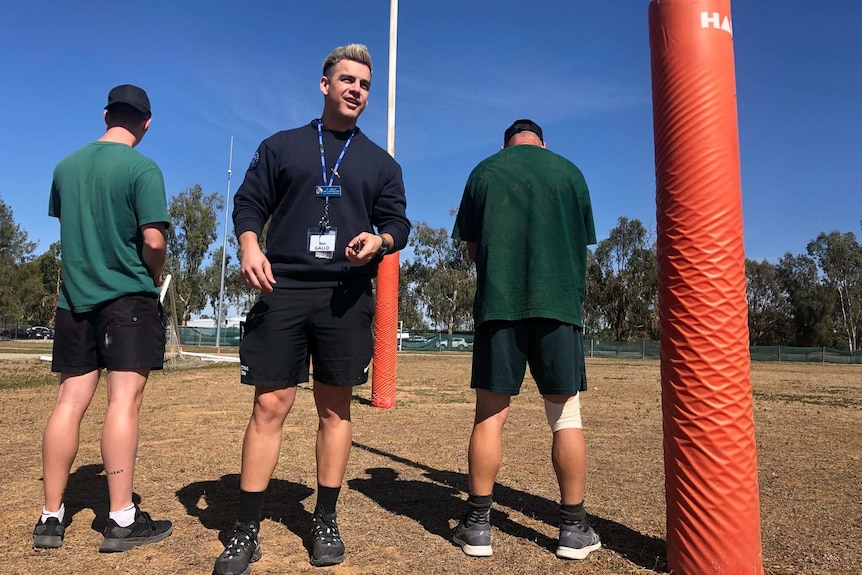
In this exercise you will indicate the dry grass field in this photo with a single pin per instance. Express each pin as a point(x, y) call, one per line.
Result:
point(406, 478)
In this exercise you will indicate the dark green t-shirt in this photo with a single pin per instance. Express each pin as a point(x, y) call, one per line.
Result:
point(529, 211)
point(103, 194)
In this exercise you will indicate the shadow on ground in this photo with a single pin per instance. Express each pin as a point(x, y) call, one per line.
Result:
point(88, 489)
point(435, 502)
point(216, 504)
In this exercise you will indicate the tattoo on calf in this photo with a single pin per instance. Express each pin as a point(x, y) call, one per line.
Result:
point(116, 472)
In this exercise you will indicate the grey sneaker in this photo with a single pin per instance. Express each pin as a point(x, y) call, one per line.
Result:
point(142, 532)
point(473, 534)
point(577, 540)
point(48, 535)
point(241, 551)
point(327, 548)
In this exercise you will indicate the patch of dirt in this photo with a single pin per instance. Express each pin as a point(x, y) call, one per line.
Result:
point(406, 480)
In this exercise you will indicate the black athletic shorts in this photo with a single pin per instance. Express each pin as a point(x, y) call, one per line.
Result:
point(331, 325)
point(554, 351)
point(124, 334)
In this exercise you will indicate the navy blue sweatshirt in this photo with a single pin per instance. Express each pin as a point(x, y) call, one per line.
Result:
point(280, 184)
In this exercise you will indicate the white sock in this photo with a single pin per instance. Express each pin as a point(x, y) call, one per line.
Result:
point(59, 515)
point(124, 517)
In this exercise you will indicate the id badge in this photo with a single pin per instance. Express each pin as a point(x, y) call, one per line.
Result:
point(327, 191)
point(322, 244)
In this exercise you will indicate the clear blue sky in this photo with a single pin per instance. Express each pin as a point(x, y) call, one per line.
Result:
point(465, 71)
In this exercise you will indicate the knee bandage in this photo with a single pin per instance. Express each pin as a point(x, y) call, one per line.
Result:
point(564, 415)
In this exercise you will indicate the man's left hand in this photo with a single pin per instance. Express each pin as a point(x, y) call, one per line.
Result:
point(363, 248)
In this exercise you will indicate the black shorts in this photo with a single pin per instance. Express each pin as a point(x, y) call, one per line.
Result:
point(330, 325)
point(553, 349)
point(124, 334)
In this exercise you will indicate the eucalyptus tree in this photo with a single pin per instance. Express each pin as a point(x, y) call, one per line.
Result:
point(811, 302)
point(441, 278)
point(193, 229)
point(16, 250)
point(623, 285)
point(769, 311)
point(839, 257)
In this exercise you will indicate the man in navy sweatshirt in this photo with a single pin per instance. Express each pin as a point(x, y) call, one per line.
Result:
point(335, 204)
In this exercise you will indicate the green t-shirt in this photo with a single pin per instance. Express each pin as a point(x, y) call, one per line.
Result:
point(529, 212)
point(103, 194)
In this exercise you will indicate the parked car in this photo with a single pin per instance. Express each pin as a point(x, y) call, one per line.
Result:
point(15, 334)
point(40, 332)
point(453, 343)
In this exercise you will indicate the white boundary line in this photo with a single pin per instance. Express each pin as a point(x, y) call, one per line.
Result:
point(212, 357)
point(202, 356)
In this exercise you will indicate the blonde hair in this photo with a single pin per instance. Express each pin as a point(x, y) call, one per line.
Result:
point(355, 52)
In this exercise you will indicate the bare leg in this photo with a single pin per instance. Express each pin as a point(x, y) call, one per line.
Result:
point(120, 433)
point(62, 433)
point(334, 432)
point(262, 442)
point(486, 442)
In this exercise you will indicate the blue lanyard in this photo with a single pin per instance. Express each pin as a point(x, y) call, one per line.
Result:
point(323, 158)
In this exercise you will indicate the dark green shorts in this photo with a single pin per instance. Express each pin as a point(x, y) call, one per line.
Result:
point(554, 351)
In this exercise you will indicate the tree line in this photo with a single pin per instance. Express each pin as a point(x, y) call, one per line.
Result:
point(30, 283)
point(806, 300)
point(810, 299)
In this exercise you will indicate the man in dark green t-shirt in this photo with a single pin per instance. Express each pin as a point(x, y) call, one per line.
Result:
point(110, 201)
point(527, 219)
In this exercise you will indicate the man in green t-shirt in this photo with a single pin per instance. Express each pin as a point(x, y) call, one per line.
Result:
point(110, 201)
point(527, 219)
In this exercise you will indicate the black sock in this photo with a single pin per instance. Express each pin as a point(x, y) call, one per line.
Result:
point(479, 507)
point(327, 498)
point(570, 514)
point(480, 501)
point(250, 505)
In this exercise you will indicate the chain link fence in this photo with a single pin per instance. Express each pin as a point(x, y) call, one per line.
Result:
point(206, 336)
point(463, 342)
point(640, 349)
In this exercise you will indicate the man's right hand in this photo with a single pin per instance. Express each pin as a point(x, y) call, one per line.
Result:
point(255, 269)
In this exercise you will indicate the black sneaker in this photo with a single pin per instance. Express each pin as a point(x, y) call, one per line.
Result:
point(577, 540)
point(48, 535)
point(327, 548)
point(142, 532)
point(473, 534)
point(241, 551)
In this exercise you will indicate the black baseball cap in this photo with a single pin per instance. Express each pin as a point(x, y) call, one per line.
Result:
point(522, 126)
point(131, 96)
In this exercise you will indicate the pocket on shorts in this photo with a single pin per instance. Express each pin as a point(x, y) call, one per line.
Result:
point(370, 304)
point(131, 333)
point(255, 317)
point(353, 299)
point(136, 311)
